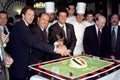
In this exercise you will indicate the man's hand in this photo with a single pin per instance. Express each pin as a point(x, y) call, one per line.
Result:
point(112, 57)
point(62, 50)
point(8, 61)
point(5, 38)
point(68, 52)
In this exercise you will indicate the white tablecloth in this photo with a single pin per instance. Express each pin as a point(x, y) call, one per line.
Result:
point(113, 76)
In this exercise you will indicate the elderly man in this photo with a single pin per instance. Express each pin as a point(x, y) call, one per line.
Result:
point(92, 37)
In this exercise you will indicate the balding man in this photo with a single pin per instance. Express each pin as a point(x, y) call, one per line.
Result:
point(92, 37)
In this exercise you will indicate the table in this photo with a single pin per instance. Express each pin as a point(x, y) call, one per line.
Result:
point(98, 68)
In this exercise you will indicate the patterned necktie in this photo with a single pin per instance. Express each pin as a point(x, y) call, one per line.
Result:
point(113, 39)
point(99, 35)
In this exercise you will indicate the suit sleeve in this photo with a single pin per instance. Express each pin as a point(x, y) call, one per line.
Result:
point(30, 40)
point(73, 39)
point(86, 41)
point(52, 35)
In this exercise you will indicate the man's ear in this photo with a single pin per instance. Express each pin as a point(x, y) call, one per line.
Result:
point(23, 16)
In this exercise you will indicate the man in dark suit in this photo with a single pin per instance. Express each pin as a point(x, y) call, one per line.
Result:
point(39, 31)
point(112, 38)
point(5, 62)
point(64, 30)
point(92, 37)
point(22, 40)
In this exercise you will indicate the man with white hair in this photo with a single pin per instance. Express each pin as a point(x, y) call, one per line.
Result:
point(92, 40)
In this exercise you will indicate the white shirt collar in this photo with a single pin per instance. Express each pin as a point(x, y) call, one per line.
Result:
point(25, 22)
point(97, 28)
point(2, 28)
point(40, 26)
point(61, 24)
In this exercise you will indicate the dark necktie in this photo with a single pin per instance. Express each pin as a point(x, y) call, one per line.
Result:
point(5, 32)
point(63, 32)
point(64, 36)
point(0, 58)
point(45, 34)
point(99, 35)
point(113, 39)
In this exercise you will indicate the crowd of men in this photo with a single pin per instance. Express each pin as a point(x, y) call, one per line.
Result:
point(54, 35)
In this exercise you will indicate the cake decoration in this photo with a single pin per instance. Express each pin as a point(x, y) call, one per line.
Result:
point(77, 62)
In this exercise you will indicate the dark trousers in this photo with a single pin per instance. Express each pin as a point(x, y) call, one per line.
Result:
point(16, 78)
point(2, 75)
point(29, 74)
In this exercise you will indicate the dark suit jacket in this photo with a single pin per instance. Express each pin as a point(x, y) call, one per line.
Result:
point(107, 47)
point(21, 41)
point(71, 38)
point(36, 54)
point(90, 41)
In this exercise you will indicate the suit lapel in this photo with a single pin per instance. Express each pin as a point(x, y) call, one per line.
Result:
point(59, 29)
point(118, 37)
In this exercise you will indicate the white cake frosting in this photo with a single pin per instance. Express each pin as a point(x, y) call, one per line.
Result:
point(77, 62)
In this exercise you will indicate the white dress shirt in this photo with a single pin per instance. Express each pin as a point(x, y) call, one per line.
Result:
point(97, 29)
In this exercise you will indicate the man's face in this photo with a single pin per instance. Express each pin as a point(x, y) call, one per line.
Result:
point(3, 19)
point(62, 17)
point(43, 21)
point(71, 9)
point(80, 17)
point(114, 20)
point(89, 18)
point(29, 16)
point(52, 16)
point(101, 22)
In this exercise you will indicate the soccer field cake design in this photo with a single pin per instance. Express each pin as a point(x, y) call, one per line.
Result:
point(90, 69)
point(77, 62)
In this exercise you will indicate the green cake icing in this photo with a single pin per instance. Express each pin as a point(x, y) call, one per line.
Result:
point(64, 68)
